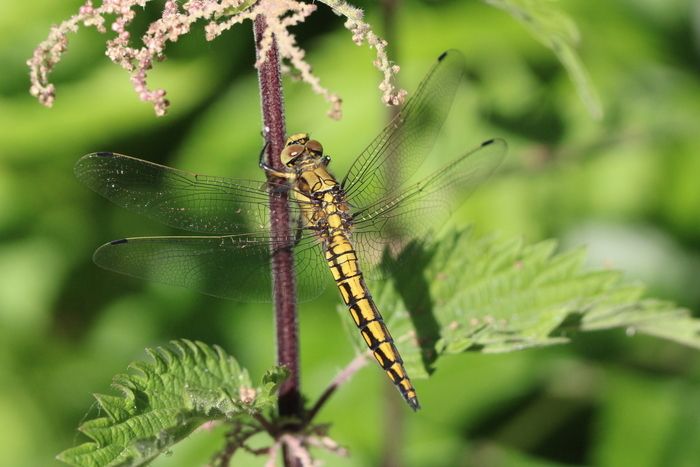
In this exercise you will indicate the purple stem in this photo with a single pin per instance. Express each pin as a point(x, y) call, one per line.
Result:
point(283, 283)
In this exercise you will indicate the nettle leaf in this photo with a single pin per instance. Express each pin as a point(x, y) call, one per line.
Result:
point(165, 400)
point(489, 294)
point(558, 32)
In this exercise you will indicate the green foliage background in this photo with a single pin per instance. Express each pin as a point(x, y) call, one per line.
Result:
point(626, 186)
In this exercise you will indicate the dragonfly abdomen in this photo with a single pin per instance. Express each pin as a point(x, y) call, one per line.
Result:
point(342, 261)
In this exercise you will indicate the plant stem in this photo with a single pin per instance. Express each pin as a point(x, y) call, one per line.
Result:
point(283, 284)
point(356, 364)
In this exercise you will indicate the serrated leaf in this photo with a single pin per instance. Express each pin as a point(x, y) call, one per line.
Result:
point(118, 408)
point(558, 32)
point(165, 400)
point(490, 294)
point(89, 454)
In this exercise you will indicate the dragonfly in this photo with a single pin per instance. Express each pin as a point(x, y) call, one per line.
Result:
point(343, 225)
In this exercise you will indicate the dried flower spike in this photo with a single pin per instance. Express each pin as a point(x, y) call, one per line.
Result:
point(176, 20)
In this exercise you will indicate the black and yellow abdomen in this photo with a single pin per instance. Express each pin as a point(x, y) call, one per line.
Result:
point(343, 264)
point(325, 210)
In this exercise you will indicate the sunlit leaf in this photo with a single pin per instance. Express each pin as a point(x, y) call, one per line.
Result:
point(489, 294)
point(165, 400)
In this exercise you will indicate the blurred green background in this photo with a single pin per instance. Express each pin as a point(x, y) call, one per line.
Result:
point(626, 185)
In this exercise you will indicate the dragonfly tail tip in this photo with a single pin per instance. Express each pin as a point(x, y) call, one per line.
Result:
point(413, 403)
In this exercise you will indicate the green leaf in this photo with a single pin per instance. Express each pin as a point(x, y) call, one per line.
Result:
point(558, 32)
point(489, 294)
point(236, 9)
point(165, 400)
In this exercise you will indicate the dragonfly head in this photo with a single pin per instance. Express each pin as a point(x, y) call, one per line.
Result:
point(299, 145)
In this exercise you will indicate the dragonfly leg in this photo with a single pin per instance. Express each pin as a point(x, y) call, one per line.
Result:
point(276, 173)
point(269, 169)
point(261, 159)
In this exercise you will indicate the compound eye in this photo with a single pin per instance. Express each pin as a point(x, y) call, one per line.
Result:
point(315, 147)
point(290, 153)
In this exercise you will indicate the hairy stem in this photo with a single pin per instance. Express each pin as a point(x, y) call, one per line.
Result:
point(272, 104)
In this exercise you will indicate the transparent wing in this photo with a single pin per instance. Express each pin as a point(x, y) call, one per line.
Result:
point(232, 266)
point(396, 153)
point(235, 265)
point(390, 223)
point(196, 203)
